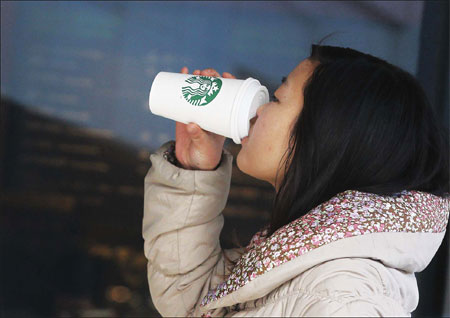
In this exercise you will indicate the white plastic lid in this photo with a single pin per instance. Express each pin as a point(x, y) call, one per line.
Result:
point(250, 97)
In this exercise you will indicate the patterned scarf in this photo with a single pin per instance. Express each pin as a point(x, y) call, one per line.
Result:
point(350, 213)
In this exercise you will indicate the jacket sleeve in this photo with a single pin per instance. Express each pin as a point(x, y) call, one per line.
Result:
point(181, 227)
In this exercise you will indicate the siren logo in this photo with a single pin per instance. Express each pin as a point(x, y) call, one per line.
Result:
point(201, 90)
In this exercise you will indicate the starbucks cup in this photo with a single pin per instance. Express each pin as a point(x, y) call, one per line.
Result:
point(223, 106)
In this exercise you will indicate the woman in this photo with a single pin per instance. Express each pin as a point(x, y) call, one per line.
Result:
point(360, 169)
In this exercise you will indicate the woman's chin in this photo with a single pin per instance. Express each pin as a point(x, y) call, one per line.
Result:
point(240, 161)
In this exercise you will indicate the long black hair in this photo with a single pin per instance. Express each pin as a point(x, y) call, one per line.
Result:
point(366, 125)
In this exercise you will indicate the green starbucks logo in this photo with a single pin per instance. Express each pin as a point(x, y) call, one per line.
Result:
point(201, 90)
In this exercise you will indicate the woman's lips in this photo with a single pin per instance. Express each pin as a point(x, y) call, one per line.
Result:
point(246, 137)
point(250, 130)
point(249, 134)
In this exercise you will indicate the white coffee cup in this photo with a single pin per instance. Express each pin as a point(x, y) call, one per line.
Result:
point(224, 106)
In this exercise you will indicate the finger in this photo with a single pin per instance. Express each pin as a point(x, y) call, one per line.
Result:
point(210, 72)
point(196, 72)
point(194, 131)
point(192, 127)
point(228, 75)
point(184, 70)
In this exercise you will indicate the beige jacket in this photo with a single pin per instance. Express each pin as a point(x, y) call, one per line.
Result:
point(354, 255)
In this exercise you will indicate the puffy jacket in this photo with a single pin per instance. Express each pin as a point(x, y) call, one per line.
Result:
point(353, 255)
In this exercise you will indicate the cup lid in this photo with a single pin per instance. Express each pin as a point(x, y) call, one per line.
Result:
point(249, 98)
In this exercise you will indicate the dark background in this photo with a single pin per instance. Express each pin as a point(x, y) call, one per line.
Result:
point(76, 132)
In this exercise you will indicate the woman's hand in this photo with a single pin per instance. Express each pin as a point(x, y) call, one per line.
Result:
point(195, 148)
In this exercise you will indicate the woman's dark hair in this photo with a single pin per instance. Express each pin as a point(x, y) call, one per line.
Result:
point(366, 125)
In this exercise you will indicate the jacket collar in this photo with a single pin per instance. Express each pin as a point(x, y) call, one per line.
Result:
point(347, 215)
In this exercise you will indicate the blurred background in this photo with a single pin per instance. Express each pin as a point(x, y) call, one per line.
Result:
point(76, 132)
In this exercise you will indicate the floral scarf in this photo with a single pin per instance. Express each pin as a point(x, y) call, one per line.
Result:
point(350, 213)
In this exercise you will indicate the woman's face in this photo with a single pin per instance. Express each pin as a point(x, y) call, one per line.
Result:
point(268, 137)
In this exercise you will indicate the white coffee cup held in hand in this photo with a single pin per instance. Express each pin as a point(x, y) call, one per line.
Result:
point(220, 105)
